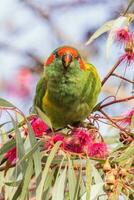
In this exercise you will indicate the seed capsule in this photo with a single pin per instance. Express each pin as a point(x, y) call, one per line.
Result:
point(106, 166)
point(110, 179)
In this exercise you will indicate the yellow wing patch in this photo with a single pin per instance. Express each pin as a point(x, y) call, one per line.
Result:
point(90, 67)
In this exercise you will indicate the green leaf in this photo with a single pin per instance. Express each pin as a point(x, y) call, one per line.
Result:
point(44, 117)
point(79, 178)
point(30, 152)
point(59, 187)
point(5, 103)
point(19, 143)
point(18, 191)
point(71, 180)
point(128, 153)
point(49, 179)
point(27, 178)
point(95, 192)
point(7, 146)
point(88, 179)
point(96, 175)
point(36, 157)
point(46, 169)
point(13, 183)
point(104, 28)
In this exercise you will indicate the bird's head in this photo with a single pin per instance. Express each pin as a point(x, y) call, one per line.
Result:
point(67, 55)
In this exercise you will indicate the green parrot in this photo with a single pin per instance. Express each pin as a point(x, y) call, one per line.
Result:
point(68, 89)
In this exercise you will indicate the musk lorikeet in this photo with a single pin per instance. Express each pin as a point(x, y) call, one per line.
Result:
point(68, 89)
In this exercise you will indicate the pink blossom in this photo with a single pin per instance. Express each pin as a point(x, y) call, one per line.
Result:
point(56, 138)
point(128, 58)
point(128, 118)
point(11, 155)
point(39, 127)
point(73, 146)
point(83, 136)
point(122, 35)
point(98, 150)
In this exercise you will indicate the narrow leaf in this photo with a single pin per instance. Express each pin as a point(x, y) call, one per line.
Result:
point(88, 179)
point(46, 169)
point(7, 146)
point(104, 28)
point(27, 178)
point(36, 156)
point(5, 103)
point(59, 187)
point(128, 152)
point(71, 180)
point(44, 117)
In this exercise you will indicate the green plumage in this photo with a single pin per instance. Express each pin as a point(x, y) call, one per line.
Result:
point(67, 95)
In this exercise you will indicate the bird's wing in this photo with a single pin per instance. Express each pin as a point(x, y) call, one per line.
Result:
point(95, 75)
point(93, 84)
point(41, 89)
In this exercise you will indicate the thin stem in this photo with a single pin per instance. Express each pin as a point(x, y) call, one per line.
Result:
point(112, 70)
point(114, 123)
point(121, 82)
point(128, 7)
point(123, 78)
point(116, 101)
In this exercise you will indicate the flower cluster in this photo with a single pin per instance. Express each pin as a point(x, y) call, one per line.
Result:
point(126, 38)
point(79, 141)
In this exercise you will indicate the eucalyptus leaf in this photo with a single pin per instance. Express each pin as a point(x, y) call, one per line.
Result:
point(104, 28)
point(7, 146)
point(88, 178)
point(44, 117)
point(26, 180)
point(71, 180)
point(59, 187)
point(19, 144)
point(95, 192)
point(36, 157)
point(5, 103)
point(128, 152)
point(46, 169)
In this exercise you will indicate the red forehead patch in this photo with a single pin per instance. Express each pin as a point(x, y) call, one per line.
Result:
point(50, 59)
point(70, 50)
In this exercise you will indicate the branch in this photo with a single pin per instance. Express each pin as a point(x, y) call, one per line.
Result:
point(128, 7)
point(123, 78)
point(112, 70)
point(113, 122)
point(116, 101)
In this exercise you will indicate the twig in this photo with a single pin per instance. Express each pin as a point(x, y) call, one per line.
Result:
point(116, 101)
point(128, 7)
point(114, 123)
point(112, 70)
point(123, 78)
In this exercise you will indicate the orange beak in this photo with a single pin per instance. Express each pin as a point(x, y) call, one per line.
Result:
point(66, 60)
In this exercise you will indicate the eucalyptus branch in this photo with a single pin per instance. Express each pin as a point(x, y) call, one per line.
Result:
point(113, 122)
point(128, 7)
point(116, 101)
point(123, 78)
point(112, 70)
